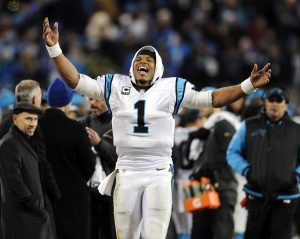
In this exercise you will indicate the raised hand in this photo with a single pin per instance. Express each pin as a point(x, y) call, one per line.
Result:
point(50, 37)
point(260, 78)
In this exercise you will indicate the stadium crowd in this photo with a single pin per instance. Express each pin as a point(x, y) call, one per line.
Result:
point(209, 42)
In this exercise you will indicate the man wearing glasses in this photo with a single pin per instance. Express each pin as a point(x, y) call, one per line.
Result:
point(265, 150)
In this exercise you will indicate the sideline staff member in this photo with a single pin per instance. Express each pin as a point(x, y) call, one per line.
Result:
point(265, 150)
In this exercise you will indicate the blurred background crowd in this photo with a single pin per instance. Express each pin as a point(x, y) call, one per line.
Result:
point(208, 42)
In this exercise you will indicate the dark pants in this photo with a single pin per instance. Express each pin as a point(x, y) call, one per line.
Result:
point(171, 230)
point(297, 219)
point(102, 219)
point(214, 223)
point(270, 220)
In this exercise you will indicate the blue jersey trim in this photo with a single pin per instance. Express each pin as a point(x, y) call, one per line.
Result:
point(180, 89)
point(107, 89)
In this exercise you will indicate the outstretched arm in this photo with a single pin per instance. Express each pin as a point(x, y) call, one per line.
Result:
point(227, 95)
point(64, 67)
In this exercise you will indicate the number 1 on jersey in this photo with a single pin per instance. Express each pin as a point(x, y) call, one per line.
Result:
point(140, 128)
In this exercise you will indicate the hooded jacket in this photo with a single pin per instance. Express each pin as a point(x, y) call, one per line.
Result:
point(159, 68)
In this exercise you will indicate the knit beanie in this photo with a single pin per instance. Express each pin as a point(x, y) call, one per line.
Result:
point(59, 94)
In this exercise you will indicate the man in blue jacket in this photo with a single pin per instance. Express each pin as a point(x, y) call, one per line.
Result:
point(265, 150)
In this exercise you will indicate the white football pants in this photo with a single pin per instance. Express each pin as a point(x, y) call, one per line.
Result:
point(143, 199)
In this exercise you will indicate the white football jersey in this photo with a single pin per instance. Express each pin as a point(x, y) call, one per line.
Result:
point(143, 122)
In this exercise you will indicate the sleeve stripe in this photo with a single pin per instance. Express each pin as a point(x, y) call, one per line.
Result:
point(107, 89)
point(179, 90)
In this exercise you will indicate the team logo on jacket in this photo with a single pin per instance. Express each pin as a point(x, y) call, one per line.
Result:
point(125, 90)
point(258, 133)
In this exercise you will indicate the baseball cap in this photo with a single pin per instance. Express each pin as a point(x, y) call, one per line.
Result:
point(276, 92)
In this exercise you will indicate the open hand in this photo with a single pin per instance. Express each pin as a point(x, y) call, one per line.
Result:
point(260, 78)
point(50, 36)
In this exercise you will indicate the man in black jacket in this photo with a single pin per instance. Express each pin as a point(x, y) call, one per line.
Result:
point(265, 150)
point(100, 133)
point(69, 152)
point(22, 201)
point(29, 91)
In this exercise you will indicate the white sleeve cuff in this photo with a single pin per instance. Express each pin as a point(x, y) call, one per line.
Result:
point(196, 99)
point(88, 87)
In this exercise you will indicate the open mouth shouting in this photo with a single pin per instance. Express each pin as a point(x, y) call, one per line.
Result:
point(143, 70)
